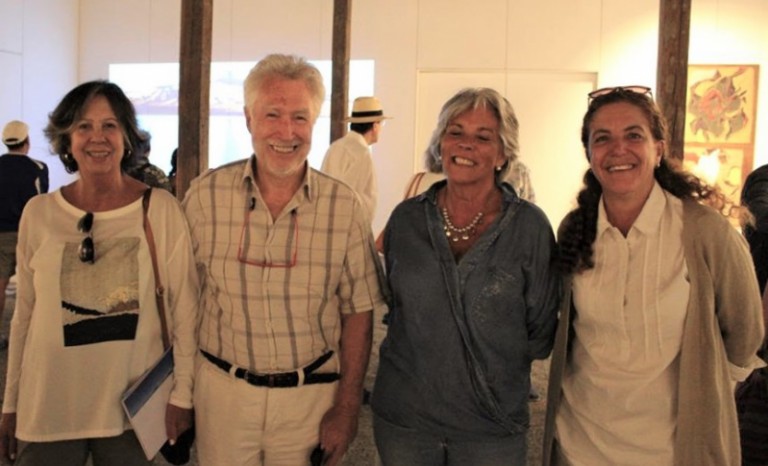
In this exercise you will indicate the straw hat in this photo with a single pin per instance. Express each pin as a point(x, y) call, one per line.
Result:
point(366, 110)
point(15, 132)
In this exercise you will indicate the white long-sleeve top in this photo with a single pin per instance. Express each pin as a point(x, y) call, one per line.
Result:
point(82, 333)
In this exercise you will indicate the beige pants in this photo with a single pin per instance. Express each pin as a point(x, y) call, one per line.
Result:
point(240, 424)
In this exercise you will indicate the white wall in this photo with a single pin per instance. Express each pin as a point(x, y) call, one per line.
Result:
point(447, 41)
point(38, 59)
point(11, 54)
point(542, 54)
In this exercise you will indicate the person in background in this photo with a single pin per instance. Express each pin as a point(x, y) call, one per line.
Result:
point(661, 313)
point(144, 170)
point(290, 280)
point(349, 158)
point(753, 417)
point(474, 300)
point(86, 324)
point(21, 177)
point(519, 176)
point(754, 195)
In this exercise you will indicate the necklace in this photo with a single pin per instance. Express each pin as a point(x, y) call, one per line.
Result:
point(464, 233)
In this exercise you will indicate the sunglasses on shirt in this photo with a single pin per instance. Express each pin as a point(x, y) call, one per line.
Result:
point(86, 251)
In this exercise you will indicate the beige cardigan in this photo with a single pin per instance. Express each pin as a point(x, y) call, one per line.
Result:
point(724, 324)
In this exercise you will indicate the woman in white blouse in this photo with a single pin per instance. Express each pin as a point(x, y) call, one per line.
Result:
point(87, 324)
point(662, 312)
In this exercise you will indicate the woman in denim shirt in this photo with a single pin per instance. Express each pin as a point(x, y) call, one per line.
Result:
point(474, 300)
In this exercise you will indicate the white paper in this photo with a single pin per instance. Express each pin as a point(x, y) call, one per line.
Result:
point(145, 403)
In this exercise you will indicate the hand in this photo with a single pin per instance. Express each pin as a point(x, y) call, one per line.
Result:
point(8, 436)
point(337, 430)
point(177, 421)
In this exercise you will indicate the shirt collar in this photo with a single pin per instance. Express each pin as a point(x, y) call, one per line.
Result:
point(431, 193)
point(649, 218)
point(306, 190)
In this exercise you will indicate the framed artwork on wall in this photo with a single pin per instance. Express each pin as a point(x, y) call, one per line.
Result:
point(720, 124)
point(721, 166)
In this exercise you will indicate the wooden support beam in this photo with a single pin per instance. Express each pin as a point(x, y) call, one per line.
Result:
point(672, 72)
point(194, 91)
point(342, 20)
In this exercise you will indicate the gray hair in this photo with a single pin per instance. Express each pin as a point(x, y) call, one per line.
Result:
point(289, 67)
point(472, 98)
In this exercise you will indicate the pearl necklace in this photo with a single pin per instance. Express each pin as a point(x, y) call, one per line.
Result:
point(463, 233)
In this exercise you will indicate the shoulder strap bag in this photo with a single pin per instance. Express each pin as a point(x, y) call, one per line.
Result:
point(179, 452)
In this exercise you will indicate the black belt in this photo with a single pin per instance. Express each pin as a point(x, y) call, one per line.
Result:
point(280, 379)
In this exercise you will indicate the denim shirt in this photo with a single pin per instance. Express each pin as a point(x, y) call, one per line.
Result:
point(504, 292)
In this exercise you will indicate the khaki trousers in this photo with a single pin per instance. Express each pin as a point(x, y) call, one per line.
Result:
point(241, 424)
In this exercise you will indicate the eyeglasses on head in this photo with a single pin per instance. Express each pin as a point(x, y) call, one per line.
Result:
point(642, 90)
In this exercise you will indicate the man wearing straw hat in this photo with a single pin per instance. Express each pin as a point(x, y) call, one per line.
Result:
point(20, 178)
point(349, 158)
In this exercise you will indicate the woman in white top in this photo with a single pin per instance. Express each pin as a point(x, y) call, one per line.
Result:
point(86, 324)
point(662, 312)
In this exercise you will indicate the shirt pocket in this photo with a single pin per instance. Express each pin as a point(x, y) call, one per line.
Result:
point(499, 303)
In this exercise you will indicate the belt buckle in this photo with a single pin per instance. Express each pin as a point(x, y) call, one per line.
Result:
point(271, 378)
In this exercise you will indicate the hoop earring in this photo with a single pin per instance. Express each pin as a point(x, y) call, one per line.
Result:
point(498, 169)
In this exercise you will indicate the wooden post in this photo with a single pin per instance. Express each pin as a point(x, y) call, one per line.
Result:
point(194, 91)
point(342, 19)
point(672, 73)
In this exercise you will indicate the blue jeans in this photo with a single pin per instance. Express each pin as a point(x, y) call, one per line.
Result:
point(401, 446)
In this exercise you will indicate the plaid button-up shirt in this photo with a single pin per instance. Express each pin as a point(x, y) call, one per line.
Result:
point(273, 291)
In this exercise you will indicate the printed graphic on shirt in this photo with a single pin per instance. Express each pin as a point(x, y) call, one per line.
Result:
point(100, 301)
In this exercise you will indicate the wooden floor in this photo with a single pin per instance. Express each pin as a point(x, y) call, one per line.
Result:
point(363, 452)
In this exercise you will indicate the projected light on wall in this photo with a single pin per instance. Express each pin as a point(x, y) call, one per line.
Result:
point(154, 90)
